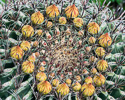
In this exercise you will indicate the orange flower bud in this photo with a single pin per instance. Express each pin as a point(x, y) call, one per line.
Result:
point(16, 52)
point(100, 51)
point(37, 18)
point(52, 11)
point(63, 89)
point(102, 65)
point(105, 40)
point(25, 45)
point(71, 11)
point(44, 87)
point(93, 28)
point(28, 67)
point(99, 79)
point(27, 31)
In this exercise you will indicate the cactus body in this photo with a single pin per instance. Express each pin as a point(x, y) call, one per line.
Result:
point(56, 49)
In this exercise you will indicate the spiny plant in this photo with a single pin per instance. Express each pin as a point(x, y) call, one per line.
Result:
point(54, 50)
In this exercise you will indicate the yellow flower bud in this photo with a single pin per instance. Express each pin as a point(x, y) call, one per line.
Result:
point(42, 69)
point(68, 31)
point(31, 58)
point(49, 24)
point(93, 70)
point(88, 80)
point(100, 51)
point(63, 89)
point(76, 86)
point(55, 82)
point(41, 76)
point(43, 63)
point(92, 59)
point(99, 80)
point(52, 11)
point(37, 18)
point(25, 45)
point(93, 28)
point(88, 49)
point(78, 22)
point(27, 31)
point(39, 32)
point(35, 43)
point(87, 89)
point(80, 42)
point(37, 54)
point(105, 40)
point(92, 40)
point(62, 20)
point(85, 71)
point(61, 76)
point(81, 32)
point(51, 75)
point(102, 65)
point(44, 87)
point(48, 36)
point(27, 67)
point(78, 78)
point(68, 81)
point(16, 52)
point(57, 31)
point(72, 11)
point(86, 63)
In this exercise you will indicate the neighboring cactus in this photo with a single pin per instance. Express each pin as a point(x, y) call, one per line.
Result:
point(54, 50)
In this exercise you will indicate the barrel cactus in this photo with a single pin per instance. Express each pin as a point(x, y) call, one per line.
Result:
point(61, 49)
